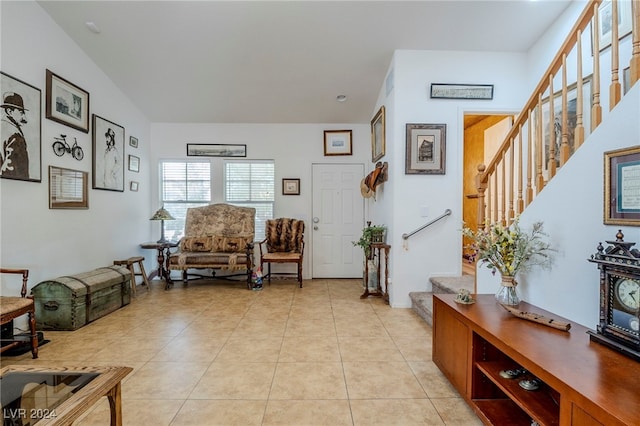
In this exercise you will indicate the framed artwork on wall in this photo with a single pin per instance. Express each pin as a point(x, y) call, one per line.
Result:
point(337, 142)
point(555, 137)
point(461, 91)
point(426, 148)
point(66, 103)
point(216, 150)
point(621, 180)
point(20, 126)
point(290, 186)
point(605, 12)
point(108, 155)
point(134, 163)
point(68, 189)
point(133, 141)
point(133, 186)
point(378, 136)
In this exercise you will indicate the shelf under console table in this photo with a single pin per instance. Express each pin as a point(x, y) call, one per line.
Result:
point(583, 383)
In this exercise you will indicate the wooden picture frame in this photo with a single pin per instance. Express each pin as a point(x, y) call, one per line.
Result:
point(337, 142)
point(290, 186)
point(461, 91)
point(66, 103)
point(68, 189)
point(378, 135)
point(216, 150)
point(621, 180)
point(425, 149)
point(134, 163)
point(133, 141)
point(108, 155)
point(605, 27)
point(21, 146)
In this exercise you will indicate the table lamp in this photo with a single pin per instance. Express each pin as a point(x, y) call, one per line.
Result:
point(162, 215)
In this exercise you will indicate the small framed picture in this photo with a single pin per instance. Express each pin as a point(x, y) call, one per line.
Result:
point(378, 136)
point(66, 103)
point(337, 142)
point(290, 186)
point(425, 150)
point(133, 186)
point(621, 179)
point(133, 141)
point(134, 163)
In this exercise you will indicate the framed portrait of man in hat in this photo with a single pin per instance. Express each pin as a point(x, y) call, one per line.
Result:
point(20, 128)
point(108, 155)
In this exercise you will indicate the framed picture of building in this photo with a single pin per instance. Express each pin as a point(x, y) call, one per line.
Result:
point(66, 103)
point(21, 145)
point(426, 148)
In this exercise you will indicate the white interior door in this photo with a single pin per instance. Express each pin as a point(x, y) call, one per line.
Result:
point(338, 219)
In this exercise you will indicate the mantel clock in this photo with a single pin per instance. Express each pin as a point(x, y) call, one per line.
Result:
point(619, 326)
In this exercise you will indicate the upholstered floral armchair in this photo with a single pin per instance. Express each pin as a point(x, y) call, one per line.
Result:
point(284, 243)
point(217, 236)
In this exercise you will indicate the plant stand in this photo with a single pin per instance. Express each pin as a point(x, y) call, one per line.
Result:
point(377, 250)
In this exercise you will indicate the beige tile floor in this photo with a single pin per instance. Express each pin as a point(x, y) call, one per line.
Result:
point(215, 353)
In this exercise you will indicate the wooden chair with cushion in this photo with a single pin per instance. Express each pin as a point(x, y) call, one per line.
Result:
point(14, 307)
point(284, 243)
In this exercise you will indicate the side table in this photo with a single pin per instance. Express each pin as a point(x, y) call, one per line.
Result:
point(378, 249)
point(164, 250)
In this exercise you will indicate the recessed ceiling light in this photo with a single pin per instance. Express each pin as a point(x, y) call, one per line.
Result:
point(341, 98)
point(92, 27)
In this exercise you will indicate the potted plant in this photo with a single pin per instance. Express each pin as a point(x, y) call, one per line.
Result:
point(510, 250)
point(370, 234)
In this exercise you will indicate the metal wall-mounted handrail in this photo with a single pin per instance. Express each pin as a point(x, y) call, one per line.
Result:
point(446, 213)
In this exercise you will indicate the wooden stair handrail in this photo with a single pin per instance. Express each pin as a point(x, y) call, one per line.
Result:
point(499, 200)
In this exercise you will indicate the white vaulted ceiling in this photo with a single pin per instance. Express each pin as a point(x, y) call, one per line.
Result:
point(281, 61)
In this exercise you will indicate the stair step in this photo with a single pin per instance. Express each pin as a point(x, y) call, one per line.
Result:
point(422, 301)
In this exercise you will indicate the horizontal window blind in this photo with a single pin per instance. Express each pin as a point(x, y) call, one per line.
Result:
point(184, 184)
point(251, 184)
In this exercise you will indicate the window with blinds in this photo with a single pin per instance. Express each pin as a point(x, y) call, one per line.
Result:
point(251, 184)
point(183, 184)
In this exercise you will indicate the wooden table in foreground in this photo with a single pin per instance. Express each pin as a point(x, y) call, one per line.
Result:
point(58, 395)
point(583, 383)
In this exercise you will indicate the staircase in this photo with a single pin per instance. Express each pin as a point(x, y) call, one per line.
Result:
point(422, 301)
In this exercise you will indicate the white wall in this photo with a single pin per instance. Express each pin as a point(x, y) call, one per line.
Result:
point(293, 147)
point(409, 201)
point(571, 208)
point(48, 242)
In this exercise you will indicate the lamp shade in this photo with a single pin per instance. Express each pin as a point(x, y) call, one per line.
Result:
point(162, 214)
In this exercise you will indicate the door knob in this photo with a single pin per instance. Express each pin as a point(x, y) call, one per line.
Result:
point(316, 219)
point(315, 228)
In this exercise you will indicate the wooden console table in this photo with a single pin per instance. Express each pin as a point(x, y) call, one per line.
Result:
point(583, 383)
point(59, 395)
point(377, 250)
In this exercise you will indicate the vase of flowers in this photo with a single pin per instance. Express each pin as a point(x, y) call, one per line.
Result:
point(509, 251)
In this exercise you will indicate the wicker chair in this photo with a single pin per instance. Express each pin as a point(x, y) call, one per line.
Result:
point(14, 307)
point(284, 243)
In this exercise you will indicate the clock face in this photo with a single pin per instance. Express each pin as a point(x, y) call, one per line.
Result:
point(627, 292)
